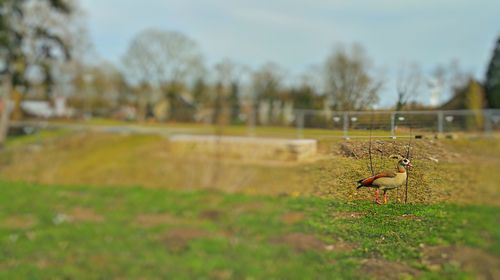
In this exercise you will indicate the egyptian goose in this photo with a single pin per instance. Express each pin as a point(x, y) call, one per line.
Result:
point(387, 180)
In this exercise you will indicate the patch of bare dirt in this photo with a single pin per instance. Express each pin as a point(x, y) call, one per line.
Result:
point(222, 274)
point(212, 215)
point(348, 215)
point(482, 264)
point(178, 239)
point(8, 264)
point(383, 269)
point(153, 220)
point(248, 207)
point(301, 242)
point(42, 263)
point(79, 214)
point(292, 218)
point(19, 222)
point(420, 149)
point(341, 246)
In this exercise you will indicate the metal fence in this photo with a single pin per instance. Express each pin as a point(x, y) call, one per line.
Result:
point(300, 124)
point(398, 123)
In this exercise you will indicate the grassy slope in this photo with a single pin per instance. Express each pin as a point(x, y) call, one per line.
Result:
point(91, 232)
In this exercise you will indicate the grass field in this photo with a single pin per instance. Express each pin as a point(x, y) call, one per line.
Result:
point(76, 232)
point(77, 205)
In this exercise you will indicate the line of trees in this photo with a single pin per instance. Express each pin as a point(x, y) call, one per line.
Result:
point(167, 78)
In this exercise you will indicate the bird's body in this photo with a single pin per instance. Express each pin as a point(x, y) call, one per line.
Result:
point(387, 180)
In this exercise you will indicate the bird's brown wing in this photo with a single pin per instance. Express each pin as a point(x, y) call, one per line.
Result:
point(368, 181)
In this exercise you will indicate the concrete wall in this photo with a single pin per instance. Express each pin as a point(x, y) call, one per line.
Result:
point(245, 148)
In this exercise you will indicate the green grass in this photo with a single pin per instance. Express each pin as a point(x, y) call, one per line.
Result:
point(37, 137)
point(236, 236)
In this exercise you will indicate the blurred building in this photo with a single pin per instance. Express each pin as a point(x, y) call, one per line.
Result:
point(56, 108)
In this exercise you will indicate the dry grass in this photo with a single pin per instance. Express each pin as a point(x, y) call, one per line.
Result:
point(80, 214)
point(293, 218)
point(463, 172)
point(19, 222)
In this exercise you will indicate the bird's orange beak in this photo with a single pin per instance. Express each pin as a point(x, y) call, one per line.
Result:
point(410, 165)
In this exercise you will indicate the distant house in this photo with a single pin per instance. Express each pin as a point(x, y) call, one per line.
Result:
point(46, 109)
point(35, 108)
point(176, 108)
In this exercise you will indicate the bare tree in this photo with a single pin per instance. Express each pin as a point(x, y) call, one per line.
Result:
point(349, 81)
point(436, 85)
point(457, 77)
point(267, 84)
point(446, 79)
point(47, 71)
point(24, 36)
point(228, 78)
point(101, 88)
point(409, 80)
point(161, 59)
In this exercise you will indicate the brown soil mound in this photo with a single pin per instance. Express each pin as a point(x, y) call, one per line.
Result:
point(177, 240)
point(293, 218)
point(476, 261)
point(420, 149)
point(212, 215)
point(301, 242)
point(383, 269)
point(79, 214)
point(19, 222)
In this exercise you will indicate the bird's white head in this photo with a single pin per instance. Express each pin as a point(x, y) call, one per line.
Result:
point(406, 163)
point(402, 161)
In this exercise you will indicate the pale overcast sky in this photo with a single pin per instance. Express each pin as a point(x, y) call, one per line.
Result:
point(300, 33)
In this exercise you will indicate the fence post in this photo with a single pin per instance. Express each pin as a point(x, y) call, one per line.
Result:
point(487, 122)
point(393, 125)
point(346, 124)
point(440, 122)
point(300, 124)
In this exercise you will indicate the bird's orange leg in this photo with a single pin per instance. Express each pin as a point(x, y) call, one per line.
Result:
point(385, 197)
point(376, 197)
